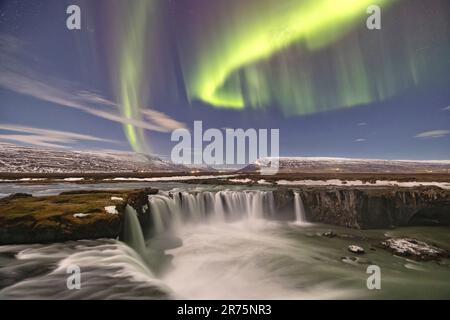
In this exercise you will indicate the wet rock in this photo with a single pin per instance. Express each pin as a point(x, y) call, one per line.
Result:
point(413, 248)
point(329, 234)
point(356, 249)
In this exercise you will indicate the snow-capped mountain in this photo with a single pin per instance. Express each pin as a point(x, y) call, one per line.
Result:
point(322, 164)
point(15, 159)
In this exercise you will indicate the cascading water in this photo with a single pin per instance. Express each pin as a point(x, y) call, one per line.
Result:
point(132, 231)
point(233, 228)
point(172, 209)
point(299, 209)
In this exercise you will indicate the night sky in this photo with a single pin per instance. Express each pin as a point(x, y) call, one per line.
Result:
point(139, 69)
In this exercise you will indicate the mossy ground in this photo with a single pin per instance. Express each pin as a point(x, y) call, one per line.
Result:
point(26, 219)
point(51, 208)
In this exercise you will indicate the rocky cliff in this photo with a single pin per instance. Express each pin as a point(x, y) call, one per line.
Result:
point(366, 208)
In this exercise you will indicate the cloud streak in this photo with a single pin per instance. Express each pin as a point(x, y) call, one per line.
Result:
point(433, 134)
point(26, 81)
point(45, 137)
point(162, 120)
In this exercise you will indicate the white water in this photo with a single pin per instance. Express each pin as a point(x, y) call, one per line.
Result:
point(246, 260)
point(229, 249)
point(109, 270)
point(300, 217)
point(133, 233)
point(171, 210)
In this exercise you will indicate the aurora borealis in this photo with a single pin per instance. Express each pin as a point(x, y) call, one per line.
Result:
point(317, 24)
point(248, 63)
point(300, 56)
point(282, 53)
point(131, 60)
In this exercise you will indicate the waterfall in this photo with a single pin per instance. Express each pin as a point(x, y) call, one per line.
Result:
point(151, 252)
point(173, 209)
point(299, 209)
point(132, 231)
point(170, 210)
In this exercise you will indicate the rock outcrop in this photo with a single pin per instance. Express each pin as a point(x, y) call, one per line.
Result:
point(69, 216)
point(139, 201)
point(366, 208)
point(413, 248)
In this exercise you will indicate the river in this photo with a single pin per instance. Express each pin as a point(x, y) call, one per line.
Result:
point(232, 251)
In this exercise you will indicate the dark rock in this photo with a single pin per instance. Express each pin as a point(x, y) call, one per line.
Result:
point(329, 234)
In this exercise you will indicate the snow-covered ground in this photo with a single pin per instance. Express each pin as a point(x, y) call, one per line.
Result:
point(174, 178)
point(15, 159)
point(357, 183)
point(323, 164)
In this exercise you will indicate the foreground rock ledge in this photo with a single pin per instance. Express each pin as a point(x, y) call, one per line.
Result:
point(68, 216)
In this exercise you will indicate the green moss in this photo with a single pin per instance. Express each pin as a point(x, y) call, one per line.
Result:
point(55, 208)
point(26, 219)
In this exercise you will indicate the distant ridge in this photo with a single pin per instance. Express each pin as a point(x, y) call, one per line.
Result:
point(21, 159)
point(349, 165)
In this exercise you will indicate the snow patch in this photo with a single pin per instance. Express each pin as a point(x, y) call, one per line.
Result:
point(111, 210)
point(241, 180)
point(174, 178)
point(81, 215)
